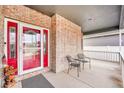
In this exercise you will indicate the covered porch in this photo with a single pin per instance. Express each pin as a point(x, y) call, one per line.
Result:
point(102, 75)
point(37, 40)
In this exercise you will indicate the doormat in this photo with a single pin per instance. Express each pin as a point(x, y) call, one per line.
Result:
point(38, 81)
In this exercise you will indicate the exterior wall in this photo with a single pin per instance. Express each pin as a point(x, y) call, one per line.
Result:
point(65, 37)
point(68, 41)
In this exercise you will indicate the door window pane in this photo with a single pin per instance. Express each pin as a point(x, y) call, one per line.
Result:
point(31, 48)
point(31, 58)
point(44, 43)
point(31, 39)
point(12, 39)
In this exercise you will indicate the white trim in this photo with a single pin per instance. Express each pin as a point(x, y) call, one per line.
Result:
point(31, 70)
point(5, 34)
point(7, 19)
point(114, 32)
point(30, 25)
point(48, 48)
point(18, 37)
point(21, 48)
point(32, 48)
point(41, 47)
point(5, 37)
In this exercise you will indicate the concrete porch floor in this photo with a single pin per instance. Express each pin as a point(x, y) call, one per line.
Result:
point(101, 75)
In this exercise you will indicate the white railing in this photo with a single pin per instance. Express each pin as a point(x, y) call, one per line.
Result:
point(102, 48)
point(106, 53)
point(103, 55)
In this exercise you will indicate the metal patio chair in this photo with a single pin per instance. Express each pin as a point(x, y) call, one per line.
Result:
point(73, 63)
point(83, 59)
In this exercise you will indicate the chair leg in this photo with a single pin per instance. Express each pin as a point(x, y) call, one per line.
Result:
point(83, 66)
point(77, 71)
point(90, 65)
point(80, 68)
point(68, 69)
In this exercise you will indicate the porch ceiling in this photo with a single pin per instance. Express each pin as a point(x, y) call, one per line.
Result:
point(89, 17)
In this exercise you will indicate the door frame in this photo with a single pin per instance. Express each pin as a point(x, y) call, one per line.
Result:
point(6, 37)
point(21, 48)
point(19, 44)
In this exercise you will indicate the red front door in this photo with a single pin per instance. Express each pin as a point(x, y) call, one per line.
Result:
point(32, 41)
point(31, 48)
point(45, 47)
point(12, 29)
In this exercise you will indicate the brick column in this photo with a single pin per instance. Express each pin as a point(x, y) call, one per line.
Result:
point(67, 38)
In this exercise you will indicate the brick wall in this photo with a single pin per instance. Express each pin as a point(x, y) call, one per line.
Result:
point(53, 43)
point(67, 36)
point(27, 15)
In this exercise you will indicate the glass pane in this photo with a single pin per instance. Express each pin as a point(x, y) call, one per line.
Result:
point(44, 43)
point(12, 31)
point(31, 51)
point(31, 58)
point(31, 39)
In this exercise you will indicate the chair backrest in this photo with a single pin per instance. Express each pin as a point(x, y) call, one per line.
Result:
point(80, 56)
point(69, 58)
